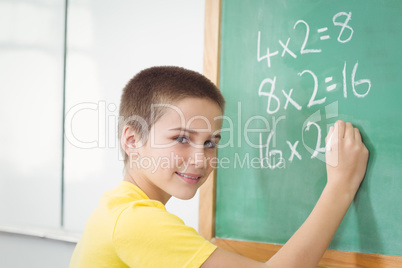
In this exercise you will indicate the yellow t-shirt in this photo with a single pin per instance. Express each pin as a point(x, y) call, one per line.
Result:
point(127, 229)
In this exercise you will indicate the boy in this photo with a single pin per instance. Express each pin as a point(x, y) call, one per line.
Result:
point(170, 126)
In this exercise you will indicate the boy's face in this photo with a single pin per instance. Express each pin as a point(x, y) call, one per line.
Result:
point(180, 152)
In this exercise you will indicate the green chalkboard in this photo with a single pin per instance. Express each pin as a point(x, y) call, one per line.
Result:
point(289, 70)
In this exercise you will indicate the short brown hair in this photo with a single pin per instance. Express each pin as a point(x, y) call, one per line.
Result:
point(161, 85)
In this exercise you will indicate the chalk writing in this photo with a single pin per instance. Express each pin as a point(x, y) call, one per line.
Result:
point(282, 98)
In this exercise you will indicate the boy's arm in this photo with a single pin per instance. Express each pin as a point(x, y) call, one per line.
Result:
point(346, 166)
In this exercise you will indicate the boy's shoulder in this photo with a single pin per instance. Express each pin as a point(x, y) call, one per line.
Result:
point(127, 195)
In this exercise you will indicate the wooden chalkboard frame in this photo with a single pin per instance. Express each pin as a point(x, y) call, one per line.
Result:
point(258, 251)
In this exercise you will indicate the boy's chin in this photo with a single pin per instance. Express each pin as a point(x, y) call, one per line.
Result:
point(185, 196)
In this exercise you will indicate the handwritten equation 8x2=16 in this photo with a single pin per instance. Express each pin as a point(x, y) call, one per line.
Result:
point(274, 101)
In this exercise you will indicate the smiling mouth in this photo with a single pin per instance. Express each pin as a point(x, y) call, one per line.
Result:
point(187, 176)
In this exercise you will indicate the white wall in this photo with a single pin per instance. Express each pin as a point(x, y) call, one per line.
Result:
point(31, 79)
point(107, 43)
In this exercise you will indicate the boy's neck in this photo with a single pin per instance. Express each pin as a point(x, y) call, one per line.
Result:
point(146, 188)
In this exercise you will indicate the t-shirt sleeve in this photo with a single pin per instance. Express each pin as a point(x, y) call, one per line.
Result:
point(152, 237)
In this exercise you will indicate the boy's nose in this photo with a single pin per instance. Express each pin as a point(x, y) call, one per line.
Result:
point(198, 159)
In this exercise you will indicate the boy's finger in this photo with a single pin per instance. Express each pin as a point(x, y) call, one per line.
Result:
point(349, 131)
point(339, 131)
point(358, 136)
point(330, 131)
point(334, 136)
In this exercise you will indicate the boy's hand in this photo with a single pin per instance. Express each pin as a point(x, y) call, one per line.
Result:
point(347, 158)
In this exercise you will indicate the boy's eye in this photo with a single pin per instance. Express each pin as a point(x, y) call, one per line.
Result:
point(210, 144)
point(181, 139)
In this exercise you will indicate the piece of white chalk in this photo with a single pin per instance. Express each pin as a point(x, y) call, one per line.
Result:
point(328, 147)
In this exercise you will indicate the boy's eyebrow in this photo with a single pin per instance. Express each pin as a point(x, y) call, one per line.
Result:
point(217, 136)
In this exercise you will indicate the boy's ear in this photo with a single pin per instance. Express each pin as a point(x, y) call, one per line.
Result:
point(128, 139)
